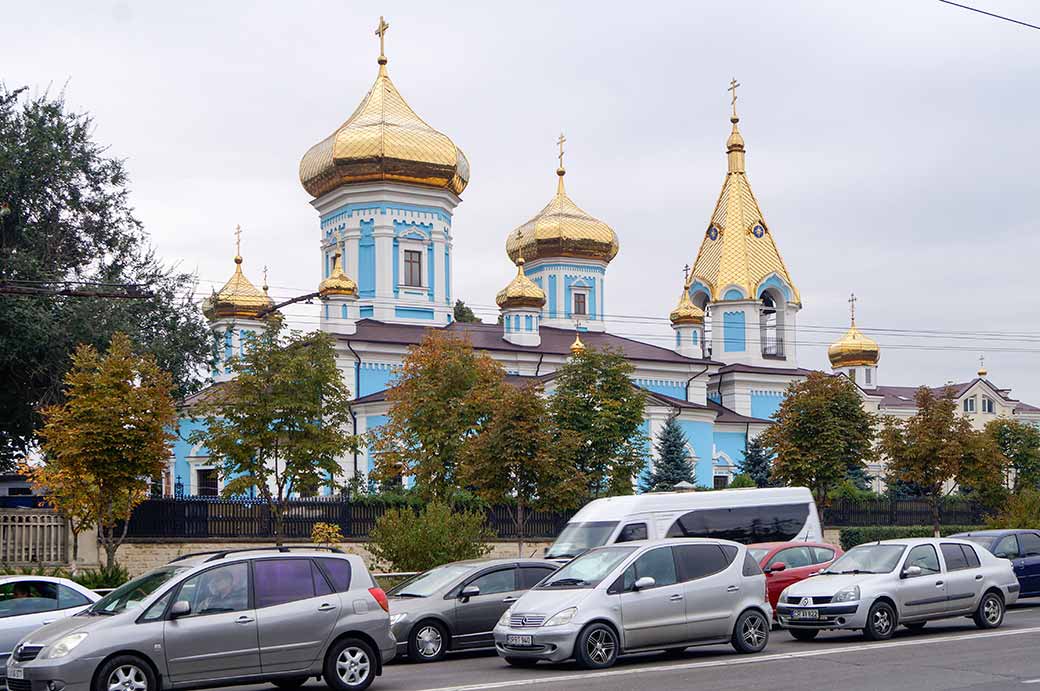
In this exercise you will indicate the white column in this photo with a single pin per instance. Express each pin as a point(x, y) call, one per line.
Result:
point(351, 245)
point(439, 287)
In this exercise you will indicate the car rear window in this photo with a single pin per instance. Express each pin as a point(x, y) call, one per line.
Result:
point(698, 561)
point(751, 567)
point(954, 556)
point(278, 581)
point(1030, 544)
point(971, 556)
point(338, 571)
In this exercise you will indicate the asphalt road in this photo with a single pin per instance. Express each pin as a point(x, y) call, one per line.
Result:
point(949, 654)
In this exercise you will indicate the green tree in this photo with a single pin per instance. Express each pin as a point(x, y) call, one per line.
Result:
point(757, 463)
point(444, 393)
point(406, 540)
point(69, 219)
point(936, 450)
point(1022, 510)
point(1020, 444)
point(742, 481)
point(464, 314)
point(596, 406)
point(110, 434)
point(673, 460)
point(515, 460)
point(821, 432)
point(281, 424)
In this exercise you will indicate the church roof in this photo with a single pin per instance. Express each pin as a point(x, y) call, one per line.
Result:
point(521, 291)
point(238, 298)
point(903, 396)
point(738, 249)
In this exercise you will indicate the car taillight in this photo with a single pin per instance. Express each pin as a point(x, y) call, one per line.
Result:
point(765, 592)
point(380, 597)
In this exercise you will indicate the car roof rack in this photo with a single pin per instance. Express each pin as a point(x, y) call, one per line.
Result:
point(216, 554)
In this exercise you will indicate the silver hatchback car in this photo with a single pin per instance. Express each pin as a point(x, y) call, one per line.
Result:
point(637, 596)
point(280, 615)
point(877, 586)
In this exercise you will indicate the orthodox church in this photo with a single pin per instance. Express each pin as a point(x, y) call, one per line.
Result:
point(385, 186)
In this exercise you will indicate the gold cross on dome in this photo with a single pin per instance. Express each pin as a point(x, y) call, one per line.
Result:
point(381, 32)
point(238, 240)
point(852, 306)
point(733, 84)
point(686, 272)
point(982, 362)
point(560, 142)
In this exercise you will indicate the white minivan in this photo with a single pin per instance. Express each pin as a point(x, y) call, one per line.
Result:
point(748, 516)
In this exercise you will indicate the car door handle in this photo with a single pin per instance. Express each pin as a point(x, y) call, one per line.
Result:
point(733, 589)
point(510, 599)
point(938, 584)
point(978, 577)
point(675, 598)
point(326, 607)
point(48, 621)
point(244, 620)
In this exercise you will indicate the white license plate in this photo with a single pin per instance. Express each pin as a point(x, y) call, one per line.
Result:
point(805, 614)
point(519, 640)
point(16, 672)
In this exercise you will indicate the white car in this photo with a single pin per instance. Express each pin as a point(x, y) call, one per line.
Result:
point(877, 586)
point(29, 602)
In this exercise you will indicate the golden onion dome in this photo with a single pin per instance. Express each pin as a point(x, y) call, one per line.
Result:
point(384, 140)
point(521, 291)
point(562, 229)
point(577, 347)
point(854, 350)
point(686, 312)
point(338, 282)
point(238, 298)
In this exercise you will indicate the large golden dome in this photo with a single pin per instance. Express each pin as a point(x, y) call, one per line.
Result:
point(521, 291)
point(384, 140)
point(562, 229)
point(854, 350)
point(238, 298)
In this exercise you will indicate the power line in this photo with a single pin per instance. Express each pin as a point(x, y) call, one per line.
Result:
point(990, 14)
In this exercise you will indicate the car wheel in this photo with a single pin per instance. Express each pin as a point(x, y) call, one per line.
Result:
point(597, 646)
point(990, 613)
point(125, 673)
point(427, 642)
point(350, 665)
point(881, 622)
point(521, 661)
point(916, 626)
point(804, 634)
point(751, 632)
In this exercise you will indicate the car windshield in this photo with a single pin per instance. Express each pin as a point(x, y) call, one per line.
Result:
point(758, 553)
point(578, 538)
point(429, 582)
point(588, 570)
point(130, 595)
point(867, 559)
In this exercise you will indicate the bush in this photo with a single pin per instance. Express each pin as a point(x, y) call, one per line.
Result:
point(416, 540)
point(1021, 510)
point(53, 572)
point(326, 534)
point(850, 537)
point(105, 577)
point(849, 490)
point(741, 481)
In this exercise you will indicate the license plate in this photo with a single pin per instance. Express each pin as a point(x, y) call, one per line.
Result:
point(519, 640)
point(805, 614)
point(16, 673)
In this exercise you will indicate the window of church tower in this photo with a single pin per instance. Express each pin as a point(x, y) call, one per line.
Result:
point(771, 327)
point(866, 375)
point(413, 268)
point(580, 307)
point(987, 404)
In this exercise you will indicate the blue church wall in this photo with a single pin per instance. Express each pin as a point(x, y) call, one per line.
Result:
point(182, 449)
point(430, 273)
point(373, 377)
point(331, 219)
point(775, 282)
point(715, 396)
point(592, 300)
point(371, 422)
point(733, 337)
point(367, 260)
point(732, 444)
point(675, 389)
point(765, 403)
point(413, 313)
point(367, 312)
point(733, 294)
point(644, 475)
point(397, 267)
point(447, 275)
point(552, 296)
point(699, 436)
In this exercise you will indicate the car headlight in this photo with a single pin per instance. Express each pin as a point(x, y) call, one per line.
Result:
point(504, 620)
point(783, 594)
point(63, 646)
point(849, 594)
point(561, 618)
point(397, 618)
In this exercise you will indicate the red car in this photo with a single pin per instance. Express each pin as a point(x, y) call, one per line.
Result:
point(785, 563)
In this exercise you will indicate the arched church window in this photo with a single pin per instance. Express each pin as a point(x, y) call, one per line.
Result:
point(771, 326)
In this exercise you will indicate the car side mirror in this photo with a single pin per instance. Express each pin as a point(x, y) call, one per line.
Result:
point(644, 583)
point(180, 608)
point(468, 592)
point(912, 572)
point(1003, 555)
point(777, 566)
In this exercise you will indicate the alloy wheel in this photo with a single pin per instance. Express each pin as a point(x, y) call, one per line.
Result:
point(352, 666)
point(991, 610)
point(882, 621)
point(600, 646)
point(753, 631)
point(429, 641)
point(127, 678)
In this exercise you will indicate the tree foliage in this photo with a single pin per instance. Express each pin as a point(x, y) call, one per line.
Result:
point(1019, 442)
point(407, 540)
point(821, 432)
point(464, 314)
point(673, 460)
point(598, 408)
point(281, 424)
point(757, 463)
point(70, 219)
point(936, 451)
point(443, 394)
point(107, 440)
point(516, 459)
point(1021, 510)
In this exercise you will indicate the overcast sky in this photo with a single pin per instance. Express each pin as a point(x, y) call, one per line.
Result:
point(892, 144)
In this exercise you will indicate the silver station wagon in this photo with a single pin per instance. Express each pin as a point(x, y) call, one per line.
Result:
point(279, 615)
point(877, 586)
point(638, 596)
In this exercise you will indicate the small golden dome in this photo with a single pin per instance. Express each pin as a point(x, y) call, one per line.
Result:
point(562, 229)
point(238, 298)
point(384, 140)
point(854, 350)
point(521, 291)
point(686, 312)
point(338, 283)
point(577, 347)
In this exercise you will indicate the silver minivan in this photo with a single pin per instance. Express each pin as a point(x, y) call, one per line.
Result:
point(279, 615)
point(640, 596)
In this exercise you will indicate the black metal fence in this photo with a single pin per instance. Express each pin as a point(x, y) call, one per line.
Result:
point(871, 512)
point(200, 518)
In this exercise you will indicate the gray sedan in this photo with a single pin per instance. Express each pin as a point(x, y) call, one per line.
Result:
point(877, 586)
point(456, 606)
